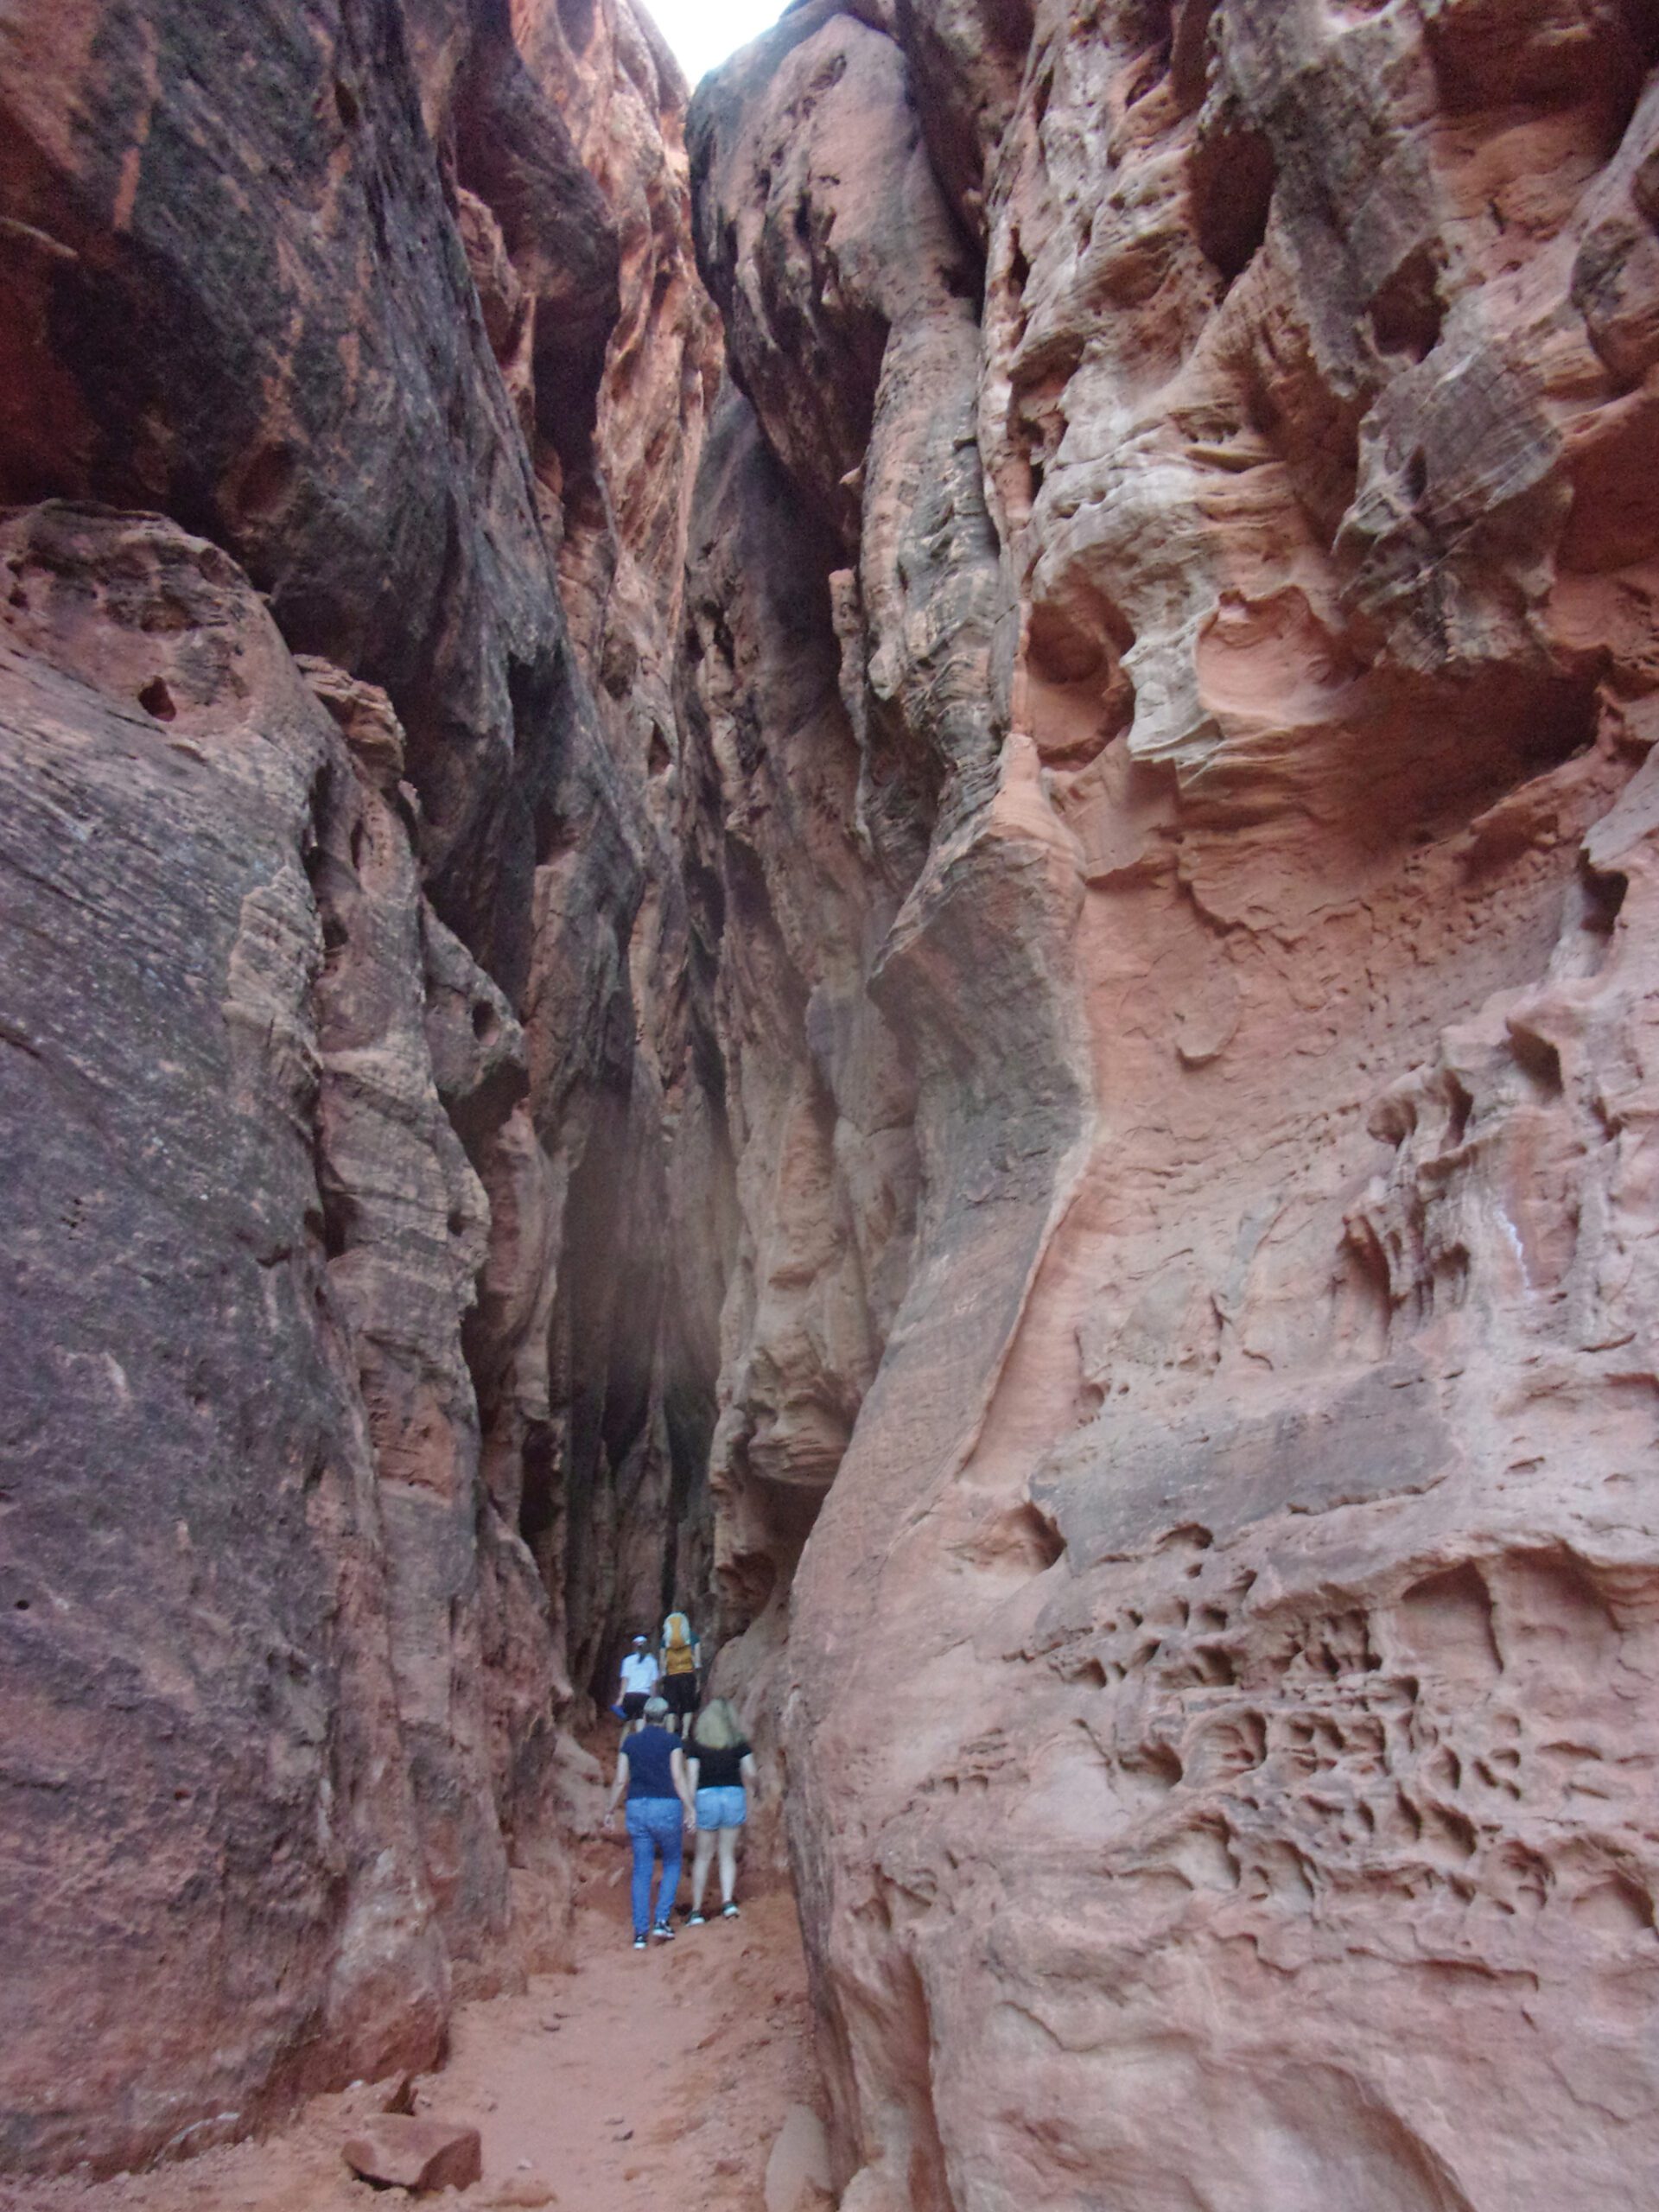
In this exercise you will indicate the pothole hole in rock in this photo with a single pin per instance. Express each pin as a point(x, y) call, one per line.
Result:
point(341, 1217)
point(1539, 1060)
point(1407, 315)
point(1233, 175)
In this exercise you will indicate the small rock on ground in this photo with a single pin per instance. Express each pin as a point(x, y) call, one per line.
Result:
point(415, 2154)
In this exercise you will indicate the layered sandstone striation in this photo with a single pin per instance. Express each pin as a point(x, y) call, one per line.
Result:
point(888, 861)
point(320, 1029)
point(1217, 447)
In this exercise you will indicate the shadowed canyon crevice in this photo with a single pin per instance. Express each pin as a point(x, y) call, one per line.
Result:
point(883, 858)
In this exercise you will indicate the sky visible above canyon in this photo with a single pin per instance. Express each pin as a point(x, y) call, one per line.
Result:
point(703, 32)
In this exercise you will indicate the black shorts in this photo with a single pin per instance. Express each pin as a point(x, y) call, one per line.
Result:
point(633, 1704)
point(680, 1691)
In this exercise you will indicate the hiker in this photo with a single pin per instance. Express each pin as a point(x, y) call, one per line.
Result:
point(651, 1768)
point(639, 1680)
point(721, 1770)
point(680, 1656)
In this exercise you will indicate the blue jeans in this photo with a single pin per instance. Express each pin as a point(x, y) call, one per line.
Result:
point(654, 1824)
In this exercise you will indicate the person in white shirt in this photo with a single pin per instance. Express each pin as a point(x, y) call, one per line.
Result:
point(639, 1680)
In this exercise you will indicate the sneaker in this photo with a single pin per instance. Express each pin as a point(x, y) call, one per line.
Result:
point(638, 1943)
point(663, 1932)
point(696, 1921)
point(729, 1911)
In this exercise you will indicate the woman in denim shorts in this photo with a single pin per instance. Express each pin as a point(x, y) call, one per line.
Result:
point(721, 1768)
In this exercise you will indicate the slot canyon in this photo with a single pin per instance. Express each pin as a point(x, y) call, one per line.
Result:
point(876, 851)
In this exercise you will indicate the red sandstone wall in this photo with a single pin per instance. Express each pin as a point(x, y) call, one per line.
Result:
point(1216, 1682)
point(321, 863)
point(1047, 970)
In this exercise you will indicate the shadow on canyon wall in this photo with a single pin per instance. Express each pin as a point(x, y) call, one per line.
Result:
point(882, 860)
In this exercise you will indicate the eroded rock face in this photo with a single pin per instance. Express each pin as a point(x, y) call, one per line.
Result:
point(1215, 1684)
point(815, 1099)
point(215, 1890)
point(1030, 1073)
point(640, 1266)
point(306, 1060)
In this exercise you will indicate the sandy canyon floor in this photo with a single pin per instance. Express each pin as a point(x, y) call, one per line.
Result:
point(638, 2081)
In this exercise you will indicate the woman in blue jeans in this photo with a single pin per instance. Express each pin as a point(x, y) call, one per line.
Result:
point(651, 1768)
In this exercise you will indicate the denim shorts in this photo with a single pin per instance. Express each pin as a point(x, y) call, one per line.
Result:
point(722, 1808)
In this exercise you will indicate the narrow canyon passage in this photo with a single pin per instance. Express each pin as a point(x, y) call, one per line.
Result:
point(872, 854)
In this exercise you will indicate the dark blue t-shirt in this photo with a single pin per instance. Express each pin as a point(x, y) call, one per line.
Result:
point(648, 1754)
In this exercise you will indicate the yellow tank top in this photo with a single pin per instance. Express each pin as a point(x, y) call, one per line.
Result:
point(679, 1656)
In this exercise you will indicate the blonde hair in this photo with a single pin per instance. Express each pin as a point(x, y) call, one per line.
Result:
point(677, 1630)
point(716, 1726)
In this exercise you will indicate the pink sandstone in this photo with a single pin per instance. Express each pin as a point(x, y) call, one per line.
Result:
point(884, 859)
point(1214, 1684)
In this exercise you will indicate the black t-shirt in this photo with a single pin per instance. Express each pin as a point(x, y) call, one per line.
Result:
point(718, 1769)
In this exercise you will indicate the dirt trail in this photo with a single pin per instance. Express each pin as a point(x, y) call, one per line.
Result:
point(642, 2080)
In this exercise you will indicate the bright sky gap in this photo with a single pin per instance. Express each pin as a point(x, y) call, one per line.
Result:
point(703, 32)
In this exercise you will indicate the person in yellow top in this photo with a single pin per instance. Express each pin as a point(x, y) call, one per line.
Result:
point(680, 1659)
